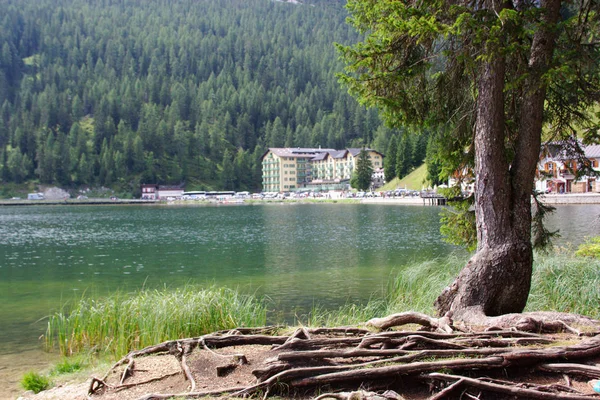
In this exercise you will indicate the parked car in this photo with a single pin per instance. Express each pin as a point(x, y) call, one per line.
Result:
point(35, 196)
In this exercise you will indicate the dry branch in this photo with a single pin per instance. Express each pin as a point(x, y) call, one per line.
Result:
point(195, 395)
point(395, 370)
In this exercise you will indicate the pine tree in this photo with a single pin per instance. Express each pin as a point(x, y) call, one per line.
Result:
point(404, 156)
point(362, 176)
point(390, 159)
point(227, 171)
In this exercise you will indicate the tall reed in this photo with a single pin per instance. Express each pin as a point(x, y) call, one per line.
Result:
point(565, 283)
point(122, 322)
point(560, 282)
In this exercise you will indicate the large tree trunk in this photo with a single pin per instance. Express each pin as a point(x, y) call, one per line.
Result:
point(497, 278)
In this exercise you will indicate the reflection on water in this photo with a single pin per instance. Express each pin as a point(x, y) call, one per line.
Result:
point(296, 254)
point(575, 223)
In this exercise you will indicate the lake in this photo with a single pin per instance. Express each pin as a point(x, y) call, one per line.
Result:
point(296, 254)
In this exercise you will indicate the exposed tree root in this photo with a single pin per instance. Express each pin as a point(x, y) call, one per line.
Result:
point(438, 324)
point(359, 364)
point(538, 392)
point(127, 372)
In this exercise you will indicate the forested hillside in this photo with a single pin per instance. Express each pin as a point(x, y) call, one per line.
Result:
point(118, 92)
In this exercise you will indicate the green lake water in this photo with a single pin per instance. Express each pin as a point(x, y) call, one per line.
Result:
point(296, 254)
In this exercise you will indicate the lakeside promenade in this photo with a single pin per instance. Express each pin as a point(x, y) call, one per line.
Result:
point(571, 198)
point(554, 199)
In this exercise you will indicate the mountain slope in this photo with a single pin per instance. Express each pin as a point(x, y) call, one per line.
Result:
point(113, 93)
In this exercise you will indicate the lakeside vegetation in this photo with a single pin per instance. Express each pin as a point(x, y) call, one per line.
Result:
point(413, 181)
point(122, 322)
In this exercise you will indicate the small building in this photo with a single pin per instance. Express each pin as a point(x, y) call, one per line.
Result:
point(557, 170)
point(170, 191)
point(378, 178)
point(149, 192)
point(161, 192)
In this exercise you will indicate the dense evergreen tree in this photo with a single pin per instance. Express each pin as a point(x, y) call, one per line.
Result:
point(390, 160)
point(361, 178)
point(154, 90)
point(404, 153)
point(488, 74)
point(434, 169)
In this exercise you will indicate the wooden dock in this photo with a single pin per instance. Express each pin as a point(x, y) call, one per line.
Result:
point(433, 199)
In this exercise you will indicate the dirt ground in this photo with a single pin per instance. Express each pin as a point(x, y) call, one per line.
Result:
point(223, 366)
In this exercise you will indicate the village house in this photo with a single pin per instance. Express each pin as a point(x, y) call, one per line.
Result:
point(557, 171)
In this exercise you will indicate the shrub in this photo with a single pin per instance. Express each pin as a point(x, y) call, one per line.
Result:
point(591, 248)
point(35, 382)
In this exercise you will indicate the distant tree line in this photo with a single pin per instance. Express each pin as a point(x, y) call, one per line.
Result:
point(116, 93)
point(407, 151)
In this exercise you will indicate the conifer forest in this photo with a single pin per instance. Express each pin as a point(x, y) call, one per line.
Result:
point(121, 92)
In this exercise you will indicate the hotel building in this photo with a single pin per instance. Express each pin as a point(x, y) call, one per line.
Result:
point(290, 169)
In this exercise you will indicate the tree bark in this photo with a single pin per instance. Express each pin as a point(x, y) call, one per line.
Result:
point(497, 279)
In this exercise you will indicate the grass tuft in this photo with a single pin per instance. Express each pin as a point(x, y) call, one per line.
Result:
point(123, 322)
point(69, 365)
point(35, 382)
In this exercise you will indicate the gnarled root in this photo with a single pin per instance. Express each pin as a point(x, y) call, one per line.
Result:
point(353, 363)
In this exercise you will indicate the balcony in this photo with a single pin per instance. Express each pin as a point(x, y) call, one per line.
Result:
point(567, 173)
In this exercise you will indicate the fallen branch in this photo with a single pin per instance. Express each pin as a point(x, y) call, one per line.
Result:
point(395, 370)
point(184, 351)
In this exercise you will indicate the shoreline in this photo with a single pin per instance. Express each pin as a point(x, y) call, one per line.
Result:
point(553, 199)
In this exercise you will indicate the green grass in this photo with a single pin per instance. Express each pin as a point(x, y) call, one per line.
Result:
point(69, 365)
point(35, 382)
point(560, 282)
point(414, 288)
point(122, 322)
point(413, 181)
point(565, 283)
